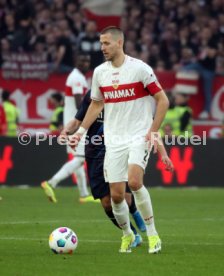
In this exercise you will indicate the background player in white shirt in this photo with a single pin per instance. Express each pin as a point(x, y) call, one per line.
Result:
point(75, 90)
point(122, 86)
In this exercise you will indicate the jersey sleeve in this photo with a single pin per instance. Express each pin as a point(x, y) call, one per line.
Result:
point(149, 79)
point(96, 94)
point(83, 108)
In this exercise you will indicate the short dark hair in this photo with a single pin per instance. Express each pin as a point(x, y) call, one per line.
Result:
point(82, 56)
point(5, 95)
point(113, 30)
point(57, 96)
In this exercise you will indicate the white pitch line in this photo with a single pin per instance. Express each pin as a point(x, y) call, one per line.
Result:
point(191, 219)
point(46, 239)
point(51, 221)
point(112, 241)
point(103, 220)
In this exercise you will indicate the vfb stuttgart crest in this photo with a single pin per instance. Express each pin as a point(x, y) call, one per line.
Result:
point(115, 84)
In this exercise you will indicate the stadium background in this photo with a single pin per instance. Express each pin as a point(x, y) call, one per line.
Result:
point(165, 34)
point(159, 32)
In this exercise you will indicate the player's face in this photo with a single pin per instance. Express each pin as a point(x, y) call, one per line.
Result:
point(84, 63)
point(109, 46)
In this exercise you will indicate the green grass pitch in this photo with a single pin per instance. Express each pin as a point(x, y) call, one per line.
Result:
point(190, 223)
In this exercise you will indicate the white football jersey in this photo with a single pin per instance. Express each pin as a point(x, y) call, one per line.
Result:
point(76, 84)
point(126, 92)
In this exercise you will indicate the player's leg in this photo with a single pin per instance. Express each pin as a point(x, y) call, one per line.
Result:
point(81, 175)
point(144, 204)
point(72, 166)
point(106, 204)
point(121, 213)
point(136, 216)
point(115, 172)
point(49, 191)
point(142, 198)
point(82, 186)
point(65, 171)
point(100, 190)
point(120, 207)
point(82, 183)
point(133, 210)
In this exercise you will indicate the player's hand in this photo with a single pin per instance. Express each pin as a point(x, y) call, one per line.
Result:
point(63, 137)
point(74, 139)
point(168, 163)
point(153, 139)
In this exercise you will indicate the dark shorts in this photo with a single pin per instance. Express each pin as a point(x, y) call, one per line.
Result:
point(98, 186)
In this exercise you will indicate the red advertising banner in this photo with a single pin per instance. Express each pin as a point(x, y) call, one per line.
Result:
point(189, 163)
point(31, 97)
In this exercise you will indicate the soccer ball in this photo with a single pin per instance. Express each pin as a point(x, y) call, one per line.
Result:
point(63, 240)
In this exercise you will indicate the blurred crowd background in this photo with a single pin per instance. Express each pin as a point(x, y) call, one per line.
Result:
point(169, 35)
point(166, 34)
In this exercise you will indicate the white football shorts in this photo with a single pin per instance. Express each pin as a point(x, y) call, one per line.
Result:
point(116, 162)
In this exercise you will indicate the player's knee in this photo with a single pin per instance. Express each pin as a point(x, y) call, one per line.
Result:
point(117, 197)
point(134, 183)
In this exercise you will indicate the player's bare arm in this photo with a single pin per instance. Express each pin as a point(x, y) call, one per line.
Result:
point(162, 104)
point(164, 156)
point(93, 111)
point(69, 129)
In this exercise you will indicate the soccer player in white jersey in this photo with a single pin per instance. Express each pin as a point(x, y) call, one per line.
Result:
point(75, 90)
point(122, 86)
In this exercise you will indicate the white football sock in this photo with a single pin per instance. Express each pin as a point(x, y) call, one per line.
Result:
point(82, 182)
point(121, 213)
point(66, 170)
point(144, 205)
